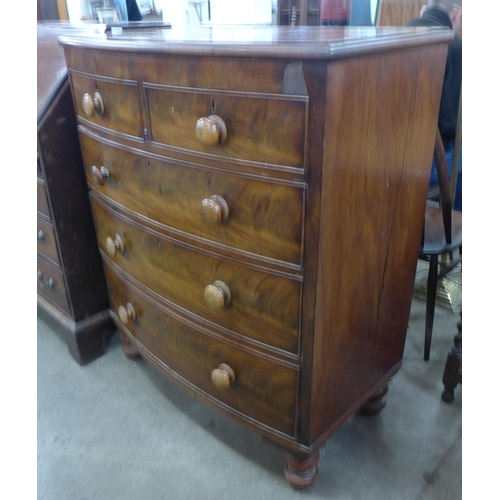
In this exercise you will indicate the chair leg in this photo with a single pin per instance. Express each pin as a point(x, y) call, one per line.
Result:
point(432, 281)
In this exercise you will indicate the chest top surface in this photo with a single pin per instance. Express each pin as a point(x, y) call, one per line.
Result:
point(282, 42)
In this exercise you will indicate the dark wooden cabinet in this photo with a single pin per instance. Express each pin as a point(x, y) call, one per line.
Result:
point(72, 294)
point(259, 204)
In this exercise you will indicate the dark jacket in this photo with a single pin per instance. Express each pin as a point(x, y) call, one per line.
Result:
point(452, 84)
point(134, 14)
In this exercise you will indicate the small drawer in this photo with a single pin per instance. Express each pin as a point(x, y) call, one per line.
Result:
point(263, 128)
point(46, 241)
point(239, 299)
point(262, 389)
point(110, 103)
point(262, 217)
point(42, 204)
point(51, 285)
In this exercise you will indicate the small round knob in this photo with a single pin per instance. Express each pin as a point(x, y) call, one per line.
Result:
point(214, 210)
point(217, 295)
point(114, 245)
point(100, 174)
point(40, 235)
point(127, 313)
point(223, 376)
point(210, 131)
point(92, 105)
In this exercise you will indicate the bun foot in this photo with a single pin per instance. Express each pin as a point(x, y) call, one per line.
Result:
point(301, 473)
point(376, 402)
point(129, 350)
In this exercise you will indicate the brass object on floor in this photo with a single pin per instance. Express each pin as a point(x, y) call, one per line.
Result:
point(449, 290)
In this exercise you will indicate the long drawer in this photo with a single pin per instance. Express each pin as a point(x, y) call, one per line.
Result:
point(261, 217)
point(51, 285)
point(263, 389)
point(264, 128)
point(257, 304)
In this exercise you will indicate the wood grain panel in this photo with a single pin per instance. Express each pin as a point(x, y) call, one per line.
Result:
point(363, 191)
point(265, 218)
point(230, 73)
point(263, 390)
point(263, 307)
point(261, 128)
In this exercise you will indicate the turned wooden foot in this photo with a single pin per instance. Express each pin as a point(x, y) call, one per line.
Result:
point(128, 348)
point(375, 403)
point(301, 473)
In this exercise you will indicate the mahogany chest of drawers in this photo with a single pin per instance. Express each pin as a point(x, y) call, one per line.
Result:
point(71, 288)
point(258, 196)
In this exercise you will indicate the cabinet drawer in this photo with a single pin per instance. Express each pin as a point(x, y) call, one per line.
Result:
point(119, 109)
point(46, 241)
point(264, 128)
point(261, 306)
point(42, 205)
point(263, 390)
point(263, 217)
point(51, 285)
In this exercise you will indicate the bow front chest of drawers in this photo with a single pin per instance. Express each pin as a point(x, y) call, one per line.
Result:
point(258, 195)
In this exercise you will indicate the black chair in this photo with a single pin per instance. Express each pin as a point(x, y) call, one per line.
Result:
point(442, 236)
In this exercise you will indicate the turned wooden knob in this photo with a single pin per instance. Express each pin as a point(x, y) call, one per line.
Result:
point(217, 294)
point(214, 210)
point(223, 376)
point(127, 313)
point(114, 245)
point(92, 105)
point(100, 174)
point(210, 131)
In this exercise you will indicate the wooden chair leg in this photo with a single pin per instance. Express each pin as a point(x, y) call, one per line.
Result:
point(432, 281)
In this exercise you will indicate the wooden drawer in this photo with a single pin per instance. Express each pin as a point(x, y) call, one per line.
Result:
point(264, 128)
point(120, 102)
point(46, 241)
point(51, 285)
point(263, 390)
point(262, 306)
point(42, 205)
point(264, 218)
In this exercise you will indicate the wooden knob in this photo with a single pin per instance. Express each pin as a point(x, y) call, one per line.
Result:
point(223, 376)
point(217, 295)
point(127, 313)
point(92, 105)
point(114, 245)
point(214, 210)
point(210, 131)
point(100, 174)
